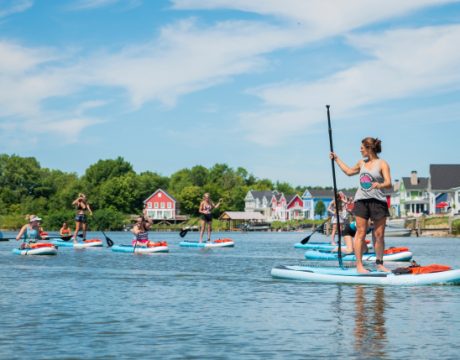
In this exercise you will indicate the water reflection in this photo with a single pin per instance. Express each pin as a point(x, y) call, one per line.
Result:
point(370, 334)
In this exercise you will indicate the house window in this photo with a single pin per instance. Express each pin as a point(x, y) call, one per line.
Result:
point(162, 205)
point(169, 205)
point(155, 205)
point(159, 195)
point(149, 205)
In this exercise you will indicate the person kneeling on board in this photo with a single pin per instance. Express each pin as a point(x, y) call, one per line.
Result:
point(29, 233)
point(140, 230)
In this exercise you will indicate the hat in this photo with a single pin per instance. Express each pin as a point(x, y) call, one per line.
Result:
point(35, 218)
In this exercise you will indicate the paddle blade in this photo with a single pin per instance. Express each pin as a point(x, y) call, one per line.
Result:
point(108, 240)
point(183, 233)
point(305, 240)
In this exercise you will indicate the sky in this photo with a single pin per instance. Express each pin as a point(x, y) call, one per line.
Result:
point(172, 84)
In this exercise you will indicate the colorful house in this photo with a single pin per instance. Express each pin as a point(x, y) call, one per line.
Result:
point(414, 195)
point(274, 206)
point(310, 200)
point(161, 206)
point(294, 207)
point(444, 188)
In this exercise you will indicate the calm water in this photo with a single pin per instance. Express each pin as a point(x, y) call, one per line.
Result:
point(217, 304)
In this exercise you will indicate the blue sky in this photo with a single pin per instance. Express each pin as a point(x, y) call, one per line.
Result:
point(172, 84)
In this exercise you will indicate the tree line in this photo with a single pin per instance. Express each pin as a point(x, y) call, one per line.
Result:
point(115, 190)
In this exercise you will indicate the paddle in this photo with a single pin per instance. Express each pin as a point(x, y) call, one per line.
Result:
point(107, 240)
point(317, 229)
point(339, 231)
point(184, 231)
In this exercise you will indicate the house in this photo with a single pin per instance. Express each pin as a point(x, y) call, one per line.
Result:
point(294, 207)
point(260, 201)
point(414, 195)
point(444, 188)
point(274, 206)
point(161, 206)
point(311, 198)
point(395, 199)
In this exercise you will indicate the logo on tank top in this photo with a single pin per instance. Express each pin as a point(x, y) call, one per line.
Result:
point(365, 181)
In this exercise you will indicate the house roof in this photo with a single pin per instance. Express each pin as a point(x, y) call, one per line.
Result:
point(327, 194)
point(261, 194)
point(422, 183)
point(164, 192)
point(241, 215)
point(444, 176)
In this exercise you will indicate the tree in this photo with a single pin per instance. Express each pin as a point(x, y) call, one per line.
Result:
point(104, 170)
point(320, 208)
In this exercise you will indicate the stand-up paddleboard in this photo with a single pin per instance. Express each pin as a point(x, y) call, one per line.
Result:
point(323, 246)
point(153, 247)
point(79, 245)
point(213, 244)
point(37, 249)
point(351, 276)
point(328, 256)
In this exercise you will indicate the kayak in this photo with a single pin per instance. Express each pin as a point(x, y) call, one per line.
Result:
point(161, 247)
point(328, 256)
point(213, 244)
point(351, 276)
point(37, 249)
point(79, 245)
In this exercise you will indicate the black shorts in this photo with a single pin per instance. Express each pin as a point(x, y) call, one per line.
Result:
point(206, 217)
point(80, 218)
point(371, 209)
point(348, 231)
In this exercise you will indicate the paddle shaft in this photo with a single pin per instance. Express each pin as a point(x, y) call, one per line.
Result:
point(339, 231)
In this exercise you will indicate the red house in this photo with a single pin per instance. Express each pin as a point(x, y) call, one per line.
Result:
point(294, 209)
point(161, 206)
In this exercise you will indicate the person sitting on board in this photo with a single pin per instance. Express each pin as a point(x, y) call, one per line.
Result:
point(342, 215)
point(82, 206)
point(140, 230)
point(370, 201)
point(30, 232)
point(65, 231)
point(206, 207)
point(348, 234)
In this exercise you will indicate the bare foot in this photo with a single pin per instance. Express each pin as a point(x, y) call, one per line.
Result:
point(362, 270)
point(382, 268)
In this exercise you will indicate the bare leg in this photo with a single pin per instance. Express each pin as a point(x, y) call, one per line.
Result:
point(84, 225)
point(209, 230)
point(203, 224)
point(334, 229)
point(379, 234)
point(360, 240)
point(77, 229)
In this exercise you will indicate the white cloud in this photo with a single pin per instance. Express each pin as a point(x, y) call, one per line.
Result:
point(406, 63)
point(325, 18)
point(8, 8)
point(96, 4)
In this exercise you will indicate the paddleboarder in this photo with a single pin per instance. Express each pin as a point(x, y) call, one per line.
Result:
point(342, 214)
point(141, 231)
point(370, 201)
point(82, 206)
point(206, 207)
point(30, 232)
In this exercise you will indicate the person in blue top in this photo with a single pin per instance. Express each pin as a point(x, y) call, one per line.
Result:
point(30, 232)
point(348, 234)
point(370, 201)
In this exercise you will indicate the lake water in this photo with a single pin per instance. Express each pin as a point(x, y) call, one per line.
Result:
point(217, 304)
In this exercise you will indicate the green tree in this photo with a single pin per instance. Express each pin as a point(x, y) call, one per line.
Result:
point(320, 208)
point(189, 200)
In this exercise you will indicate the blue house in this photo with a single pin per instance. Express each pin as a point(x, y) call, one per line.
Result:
point(311, 198)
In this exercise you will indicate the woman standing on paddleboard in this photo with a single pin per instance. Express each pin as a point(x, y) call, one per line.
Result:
point(81, 203)
point(370, 202)
point(206, 206)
